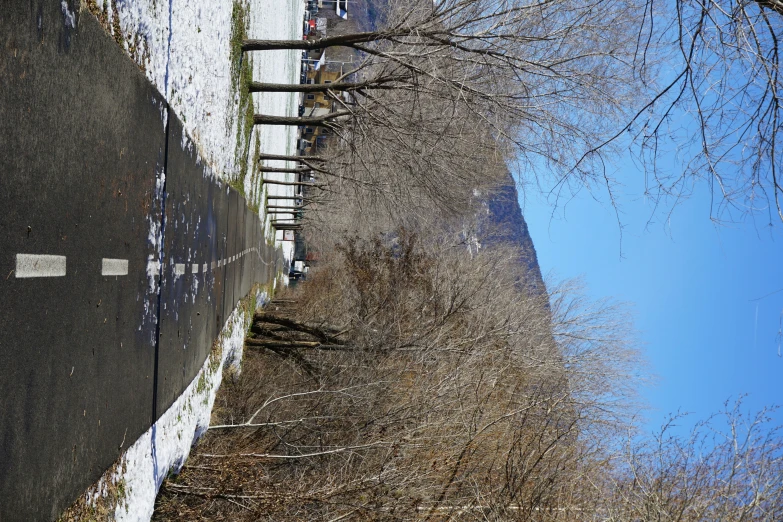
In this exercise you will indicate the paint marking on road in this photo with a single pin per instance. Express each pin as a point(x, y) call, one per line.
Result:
point(213, 265)
point(179, 269)
point(114, 267)
point(204, 268)
point(39, 265)
point(195, 268)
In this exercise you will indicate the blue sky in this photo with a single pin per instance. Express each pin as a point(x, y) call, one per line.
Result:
point(691, 285)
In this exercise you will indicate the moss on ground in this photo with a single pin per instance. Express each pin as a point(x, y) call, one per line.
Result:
point(98, 503)
point(241, 76)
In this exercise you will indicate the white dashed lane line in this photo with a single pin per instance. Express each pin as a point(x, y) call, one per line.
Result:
point(37, 265)
point(114, 267)
point(45, 265)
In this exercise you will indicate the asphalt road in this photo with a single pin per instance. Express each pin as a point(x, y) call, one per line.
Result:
point(120, 259)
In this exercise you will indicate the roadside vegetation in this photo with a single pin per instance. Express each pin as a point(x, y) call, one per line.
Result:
point(421, 373)
point(243, 110)
point(412, 378)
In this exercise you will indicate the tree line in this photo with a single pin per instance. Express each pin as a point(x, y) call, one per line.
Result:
point(414, 377)
point(563, 86)
point(417, 374)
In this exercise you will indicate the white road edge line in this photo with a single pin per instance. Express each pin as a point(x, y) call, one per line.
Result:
point(179, 269)
point(114, 267)
point(194, 269)
point(39, 265)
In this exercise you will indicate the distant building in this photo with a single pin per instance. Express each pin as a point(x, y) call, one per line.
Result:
point(320, 76)
point(340, 7)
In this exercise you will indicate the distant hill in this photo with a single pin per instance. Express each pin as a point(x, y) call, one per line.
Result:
point(367, 13)
point(507, 224)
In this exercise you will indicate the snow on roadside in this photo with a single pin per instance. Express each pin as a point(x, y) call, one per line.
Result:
point(163, 449)
point(128, 489)
point(184, 48)
point(276, 67)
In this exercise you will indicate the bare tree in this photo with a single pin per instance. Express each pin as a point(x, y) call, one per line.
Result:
point(720, 107)
point(565, 82)
point(410, 379)
point(552, 78)
point(413, 157)
point(730, 467)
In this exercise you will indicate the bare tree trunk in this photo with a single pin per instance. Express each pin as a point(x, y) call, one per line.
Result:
point(293, 345)
point(282, 344)
point(297, 170)
point(314, 121)
point(284, 157)
point(295, 325)
point(290, 183)
point(314, 87)
point(345, 40)
point(286, 226)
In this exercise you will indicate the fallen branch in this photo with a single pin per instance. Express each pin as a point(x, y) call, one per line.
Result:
point(329, 337)
point(293, 345)
point(302, 456)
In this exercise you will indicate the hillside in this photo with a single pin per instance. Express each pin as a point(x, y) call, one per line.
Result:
point(506, 223)
point(367, 13)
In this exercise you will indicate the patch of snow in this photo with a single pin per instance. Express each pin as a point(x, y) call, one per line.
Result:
point(184, 48)
point(276, 67)
point(70, 19)
point(163, 448)
point(155, 240)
